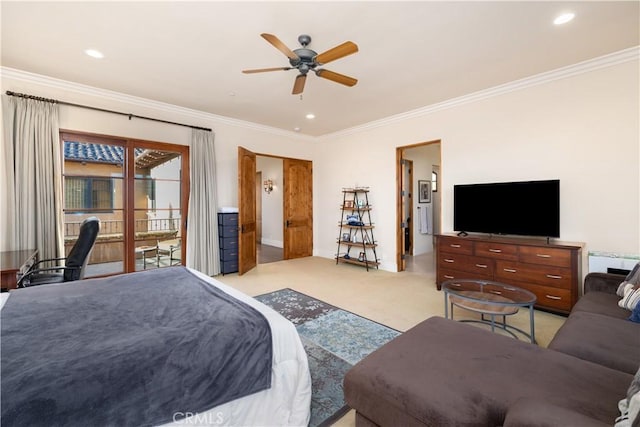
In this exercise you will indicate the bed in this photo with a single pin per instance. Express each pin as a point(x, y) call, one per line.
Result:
point(201, 393)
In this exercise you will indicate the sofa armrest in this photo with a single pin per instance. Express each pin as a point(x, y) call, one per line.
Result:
point(602, 282)
point(539, 413)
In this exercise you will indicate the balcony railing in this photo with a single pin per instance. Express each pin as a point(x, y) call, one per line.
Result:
point(115, 227)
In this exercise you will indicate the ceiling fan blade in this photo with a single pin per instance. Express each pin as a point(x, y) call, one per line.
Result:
point(279, 45)
point(298, 85)
point(264, 70)
point(346, 48)
point(336, 77)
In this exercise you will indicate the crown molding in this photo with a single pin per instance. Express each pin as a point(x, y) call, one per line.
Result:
point(626, 55)
point(135, 101)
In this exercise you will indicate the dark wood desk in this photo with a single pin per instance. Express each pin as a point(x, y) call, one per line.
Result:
point(13, 262)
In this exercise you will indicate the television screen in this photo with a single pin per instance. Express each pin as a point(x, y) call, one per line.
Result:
point(528, 208)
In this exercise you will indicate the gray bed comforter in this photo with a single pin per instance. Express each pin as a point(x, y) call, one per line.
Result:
point(129, 350)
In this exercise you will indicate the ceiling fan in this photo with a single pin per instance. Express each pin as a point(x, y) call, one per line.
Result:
point(305, 60)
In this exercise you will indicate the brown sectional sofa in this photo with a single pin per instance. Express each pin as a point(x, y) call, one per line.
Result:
point(446, 373)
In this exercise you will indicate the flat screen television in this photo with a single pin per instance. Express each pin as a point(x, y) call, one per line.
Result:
point(526, 208)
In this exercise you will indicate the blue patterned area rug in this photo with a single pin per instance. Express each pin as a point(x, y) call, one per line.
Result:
point(334, 340)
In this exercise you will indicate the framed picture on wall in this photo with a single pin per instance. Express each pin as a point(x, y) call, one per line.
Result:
point(424, 191)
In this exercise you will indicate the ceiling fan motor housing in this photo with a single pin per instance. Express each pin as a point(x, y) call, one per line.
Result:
point(305, 59)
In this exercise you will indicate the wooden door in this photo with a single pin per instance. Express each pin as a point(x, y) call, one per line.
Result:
point(298, 208)
point(246, 210)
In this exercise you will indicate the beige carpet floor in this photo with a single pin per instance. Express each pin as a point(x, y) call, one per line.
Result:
point(399, 300)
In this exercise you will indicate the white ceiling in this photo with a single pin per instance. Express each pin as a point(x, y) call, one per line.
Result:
point(411, 54)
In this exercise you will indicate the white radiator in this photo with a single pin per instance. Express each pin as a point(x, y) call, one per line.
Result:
point(601, 261)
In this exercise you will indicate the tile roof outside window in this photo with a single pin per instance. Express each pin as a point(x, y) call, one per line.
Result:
point(96, 153)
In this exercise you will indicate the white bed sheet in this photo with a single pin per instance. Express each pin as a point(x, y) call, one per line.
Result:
point(286, 403)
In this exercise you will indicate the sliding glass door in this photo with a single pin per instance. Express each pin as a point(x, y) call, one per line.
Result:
point(157, 207)
point(139, 191)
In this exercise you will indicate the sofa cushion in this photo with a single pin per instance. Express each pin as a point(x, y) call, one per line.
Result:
point(542, 413)
point(442, 372)
point(605, 340)
point(601, 303)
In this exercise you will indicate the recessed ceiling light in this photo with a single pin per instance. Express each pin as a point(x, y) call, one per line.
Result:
point(564, 18)
point(296, 129)
point(310, 116)
point(94, 53)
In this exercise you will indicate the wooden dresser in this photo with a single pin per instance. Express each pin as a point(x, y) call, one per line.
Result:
point(551, 271)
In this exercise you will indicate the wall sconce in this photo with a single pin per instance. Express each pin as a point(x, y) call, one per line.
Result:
point(268, 186)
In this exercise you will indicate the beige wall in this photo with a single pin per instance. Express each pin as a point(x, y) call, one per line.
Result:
point(582, 129)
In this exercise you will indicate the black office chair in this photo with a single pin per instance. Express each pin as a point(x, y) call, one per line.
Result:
point(75, 262)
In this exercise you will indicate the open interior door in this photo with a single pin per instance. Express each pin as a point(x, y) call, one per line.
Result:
point(247, 258)
point(298, 208)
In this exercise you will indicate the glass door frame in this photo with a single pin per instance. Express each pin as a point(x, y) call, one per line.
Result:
point(129, 171)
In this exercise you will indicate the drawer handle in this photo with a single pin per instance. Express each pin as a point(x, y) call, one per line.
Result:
point(510, 270)
point(553, 276)
point(446, 276)
point(553, 297)
point(495, 251)
point(456, 284)
point(481, 265)
point(496, 292)
point(454, 246)
point(543, 255)
point(448, 260)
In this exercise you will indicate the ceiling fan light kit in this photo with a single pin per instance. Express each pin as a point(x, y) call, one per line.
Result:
point(304, 60)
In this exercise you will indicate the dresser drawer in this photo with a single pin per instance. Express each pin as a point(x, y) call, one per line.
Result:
point(228, 255)
point(228, 219)
point(229, 267)
point(548, 297)
point(456, 246)
point(545, 256)
point(227, 230)
point(470, 264)
point(497, 250)
point(446, 274)
point(556, 277)
point(228, 242)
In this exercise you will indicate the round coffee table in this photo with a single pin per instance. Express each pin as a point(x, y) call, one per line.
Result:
point(489, 299)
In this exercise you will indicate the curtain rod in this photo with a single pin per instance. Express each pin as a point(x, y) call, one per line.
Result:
point(55, 101)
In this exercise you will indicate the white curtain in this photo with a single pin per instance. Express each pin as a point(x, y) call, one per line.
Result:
point(32, 185)
point(202, 221)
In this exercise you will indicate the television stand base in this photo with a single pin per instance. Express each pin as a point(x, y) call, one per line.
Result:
point(463, 234)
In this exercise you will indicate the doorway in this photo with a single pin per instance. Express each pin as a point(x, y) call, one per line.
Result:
point(138, 189)
point(418, 212)
point(269, 204)
point(297, 208)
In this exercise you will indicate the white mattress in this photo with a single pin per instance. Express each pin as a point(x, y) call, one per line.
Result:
point(286, 403)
